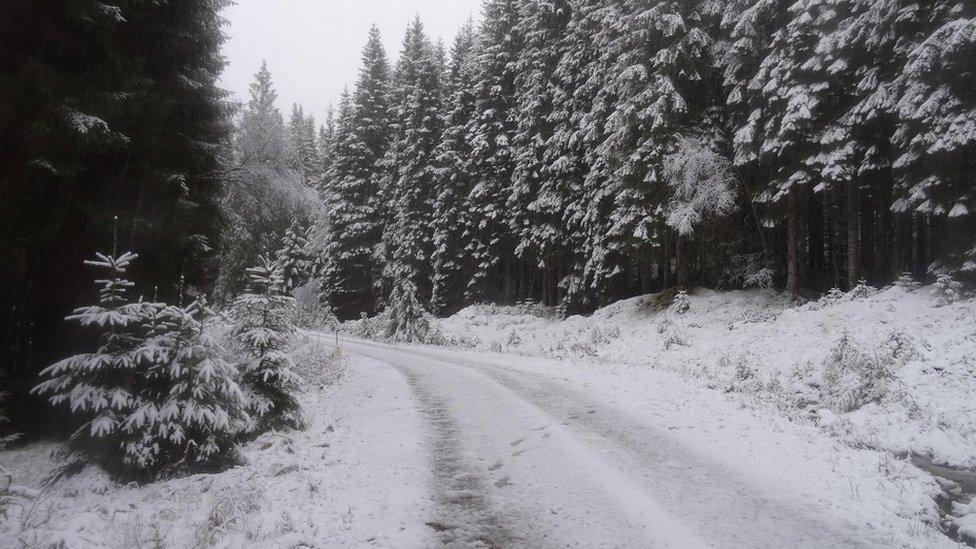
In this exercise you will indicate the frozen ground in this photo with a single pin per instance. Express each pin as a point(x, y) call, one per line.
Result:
point(882, 369)
point(356, 476)
point(737, 423)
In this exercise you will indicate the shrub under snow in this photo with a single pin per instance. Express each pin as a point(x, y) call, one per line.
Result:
point(157, 395)
point(262, 333)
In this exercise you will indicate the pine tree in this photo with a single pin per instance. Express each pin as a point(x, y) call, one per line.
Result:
point(542, 25)
point(303, 148)
point(355, 206)
point(262, 330)
point(490, 243)
point(452, 183)
point(416, 106)
point(191, 408)
point(406, 319)
point(292, 260)
point(326, 152)
point(100, 386)
point(266, 193)
point(562, 201)
point(936, 131)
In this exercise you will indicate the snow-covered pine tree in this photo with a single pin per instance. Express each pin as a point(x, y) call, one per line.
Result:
point(452, 184)
point(303, 149)
point(935, 135)
point(490, 243)
point(355, 206)
point(191, 408)
point(263, 331)
point(292, 260)
point(562, 201)
point(658, 66)
point(101, 387)
point(406, 319)
point(542, 26)
point(265, 195)
point(326, 152)
point(416, 106)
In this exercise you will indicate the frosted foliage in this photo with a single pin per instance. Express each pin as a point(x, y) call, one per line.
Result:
point(192, 408)
point(406, 319)
point(852, 378)
point(946, 290)
point(262, 332)
point(293, 260)
point(703, 185)
point(99, 386)
point(158, 395)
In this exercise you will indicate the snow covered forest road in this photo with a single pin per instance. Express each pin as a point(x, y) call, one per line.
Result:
point(521, 458)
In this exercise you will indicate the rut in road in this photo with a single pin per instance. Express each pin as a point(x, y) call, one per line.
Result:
point(708, 495)
point(464, 517)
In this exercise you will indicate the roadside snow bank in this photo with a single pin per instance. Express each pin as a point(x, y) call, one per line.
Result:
point(892, 369)
point(357, 475)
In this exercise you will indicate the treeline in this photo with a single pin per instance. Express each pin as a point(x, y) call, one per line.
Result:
point(106, 110)
point(580, 151)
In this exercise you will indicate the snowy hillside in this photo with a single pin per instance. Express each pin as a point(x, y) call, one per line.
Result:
point(886, 369)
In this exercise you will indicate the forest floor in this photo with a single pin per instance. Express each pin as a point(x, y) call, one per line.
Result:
point(737, 422)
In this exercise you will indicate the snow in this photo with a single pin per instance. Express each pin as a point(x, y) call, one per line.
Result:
point(355, 476)
point(768, 354)
point(728, 420)
point(611, 448)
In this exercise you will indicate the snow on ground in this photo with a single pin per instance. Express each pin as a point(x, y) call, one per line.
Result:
point(723, 475)
point(737, 421)
point(357, 475)
point(882, 369)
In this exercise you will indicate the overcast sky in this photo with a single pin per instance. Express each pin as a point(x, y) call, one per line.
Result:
point(313, 46)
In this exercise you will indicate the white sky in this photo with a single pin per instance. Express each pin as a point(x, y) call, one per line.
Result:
point(313, 47)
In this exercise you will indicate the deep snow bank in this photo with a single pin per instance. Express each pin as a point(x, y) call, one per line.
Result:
point(888, 369)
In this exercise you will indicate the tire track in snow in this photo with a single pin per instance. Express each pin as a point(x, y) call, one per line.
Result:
point(720, 503)
point(463, 515)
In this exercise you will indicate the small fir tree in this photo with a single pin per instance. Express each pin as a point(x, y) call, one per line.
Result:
point(293, 260)
point(193, 408)
point(262, 332)
point(100, 386)
point(406, 319)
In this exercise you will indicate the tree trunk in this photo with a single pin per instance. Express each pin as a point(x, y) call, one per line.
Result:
point(681, 256)
point(508, 291)
point(853, 237)
point(666, 265)
point(793, 246)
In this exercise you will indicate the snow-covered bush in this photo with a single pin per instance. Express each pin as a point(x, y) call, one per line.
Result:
point(310, 310)
point(406, 320)
point(852, 378)
point(191, 409)
point(703, 185)
point(293, 260)
point(750, 270)
point(100, 386)
point(908, 282)
point(262, 332)
point(681, 303)
point(158, 395)
point(946, 290)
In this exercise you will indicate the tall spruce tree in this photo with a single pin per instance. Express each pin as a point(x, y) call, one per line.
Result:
point(265, 193)
point(452, 184)
point(416, 131)
point(356, 208)
point(542, 26)
point(107, 110)
point(490, 243)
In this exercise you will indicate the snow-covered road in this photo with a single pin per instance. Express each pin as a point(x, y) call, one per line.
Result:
point(521, 458)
